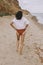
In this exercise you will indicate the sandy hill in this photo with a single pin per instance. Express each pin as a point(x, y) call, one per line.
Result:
point(10, 7)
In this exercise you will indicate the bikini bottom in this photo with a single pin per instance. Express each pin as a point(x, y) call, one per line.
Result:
point(20, 31)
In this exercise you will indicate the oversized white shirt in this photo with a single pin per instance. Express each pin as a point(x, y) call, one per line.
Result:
point(20, 24)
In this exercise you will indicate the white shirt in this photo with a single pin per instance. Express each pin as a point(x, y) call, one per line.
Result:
point(20, 24)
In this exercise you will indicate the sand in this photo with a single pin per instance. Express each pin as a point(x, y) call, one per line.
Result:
point(33, 45)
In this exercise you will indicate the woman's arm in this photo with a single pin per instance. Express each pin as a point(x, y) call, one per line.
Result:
point(12, 25)
point(26, 26)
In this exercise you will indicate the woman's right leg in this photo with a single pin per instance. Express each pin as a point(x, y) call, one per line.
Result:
point(22, 43)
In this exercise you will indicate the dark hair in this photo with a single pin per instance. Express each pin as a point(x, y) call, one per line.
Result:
point(19, 15)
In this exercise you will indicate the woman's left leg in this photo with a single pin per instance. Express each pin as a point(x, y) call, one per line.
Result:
point(18, 39)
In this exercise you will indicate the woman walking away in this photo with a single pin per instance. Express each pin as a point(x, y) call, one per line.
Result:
point(20, 24)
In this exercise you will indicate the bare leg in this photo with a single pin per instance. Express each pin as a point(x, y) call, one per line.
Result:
point(22, 41)
point(18, 38)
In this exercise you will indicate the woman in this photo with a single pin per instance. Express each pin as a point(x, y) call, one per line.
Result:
point(20, 25)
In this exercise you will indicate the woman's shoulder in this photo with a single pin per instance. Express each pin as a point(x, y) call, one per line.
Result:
point(14, 19)
point(25, 19)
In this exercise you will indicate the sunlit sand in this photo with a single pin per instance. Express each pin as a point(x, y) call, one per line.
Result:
point(33, 44)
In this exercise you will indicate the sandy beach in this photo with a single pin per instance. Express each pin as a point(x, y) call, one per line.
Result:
point(33, 45)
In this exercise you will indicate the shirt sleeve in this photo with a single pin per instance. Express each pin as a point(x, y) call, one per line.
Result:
point(27, 21)
point(13, 20)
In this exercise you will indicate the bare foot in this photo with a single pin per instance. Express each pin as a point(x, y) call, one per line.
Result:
point(20, 53)
point(17, 50)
